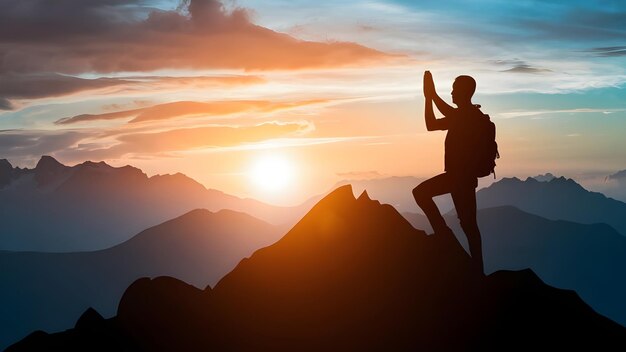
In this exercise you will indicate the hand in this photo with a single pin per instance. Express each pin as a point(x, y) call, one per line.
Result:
point(429, 85)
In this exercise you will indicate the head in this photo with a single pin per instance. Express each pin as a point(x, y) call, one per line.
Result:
point(462, 90)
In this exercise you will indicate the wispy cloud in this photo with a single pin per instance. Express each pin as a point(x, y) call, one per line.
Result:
point(620, 176)
point(292, 142)
point(24, 87)
point(513, 114)
point(609, 51)
point(189, 108)
point(32, 144)
point(525, 68)
point(184, 139)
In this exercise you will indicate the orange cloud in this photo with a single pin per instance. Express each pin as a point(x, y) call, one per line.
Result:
point(192, 138)
point(189, 108)
point(103, 36)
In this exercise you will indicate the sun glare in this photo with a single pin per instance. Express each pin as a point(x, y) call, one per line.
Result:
point(272, 173)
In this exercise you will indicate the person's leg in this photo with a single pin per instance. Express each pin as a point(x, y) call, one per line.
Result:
point(464, 199)
point(424, 194)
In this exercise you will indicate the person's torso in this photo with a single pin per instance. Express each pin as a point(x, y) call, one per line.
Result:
point(461, 140)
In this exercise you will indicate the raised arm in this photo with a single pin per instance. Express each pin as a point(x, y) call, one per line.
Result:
point(432, 123)
point(442, 106)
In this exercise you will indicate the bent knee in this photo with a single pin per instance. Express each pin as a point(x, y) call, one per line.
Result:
point(418, 192)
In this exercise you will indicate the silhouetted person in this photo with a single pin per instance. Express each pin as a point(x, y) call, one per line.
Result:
point(459, 178)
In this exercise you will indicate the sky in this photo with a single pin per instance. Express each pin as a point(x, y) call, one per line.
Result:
point(234, 93)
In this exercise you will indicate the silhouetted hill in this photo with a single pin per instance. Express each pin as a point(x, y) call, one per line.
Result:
point(351, 275)
point(48, 291)
point(394, 190)
point(91, 206)
point(397, 191)
point(590, 259)
point(558, 199)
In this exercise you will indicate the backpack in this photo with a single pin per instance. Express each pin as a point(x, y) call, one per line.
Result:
point(486, 151)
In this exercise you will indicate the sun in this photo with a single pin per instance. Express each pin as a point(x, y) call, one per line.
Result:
point(272, 173)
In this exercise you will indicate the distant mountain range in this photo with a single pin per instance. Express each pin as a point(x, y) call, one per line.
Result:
point(351, 275)
point(552, 197)
point(590, 259)
point(557, 199)
point(48, 290)
point(91, 206)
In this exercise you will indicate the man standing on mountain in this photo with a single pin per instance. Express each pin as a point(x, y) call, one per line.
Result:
point(470, 152)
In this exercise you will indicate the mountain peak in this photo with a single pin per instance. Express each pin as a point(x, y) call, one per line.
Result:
point(93, 164)
point(47, 170)
point(509, 180)
point(6, 170)
point(568, 182)
point(547, 177)
point(364, 196)
point(48, 162)
point(341, 194)
point(91, 168)
point(89, 318)
point(343, 201)
point(4, 163)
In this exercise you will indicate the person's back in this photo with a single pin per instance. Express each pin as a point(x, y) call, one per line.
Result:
point(459, 178)
point(465, 135)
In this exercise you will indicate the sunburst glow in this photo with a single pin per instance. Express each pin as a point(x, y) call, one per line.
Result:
point(272, 173)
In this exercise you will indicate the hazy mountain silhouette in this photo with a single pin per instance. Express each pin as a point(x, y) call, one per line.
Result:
point(90, 206)
point(532, 195)
point(48, 291)
point(615, 185)
point(545, 177)
point(558, 199)
point(590, 259)
point(351, 275)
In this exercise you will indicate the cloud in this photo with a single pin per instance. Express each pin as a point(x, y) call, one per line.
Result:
point(31, 86)
point(5, 104)
point(519, 66)
point(125, 36)
point(528, 113)
point(185, 139)
point(33, 144)
point(188, 108)
point(618, 176)
point(608, 51)
point(47, 85)
point(523, 68)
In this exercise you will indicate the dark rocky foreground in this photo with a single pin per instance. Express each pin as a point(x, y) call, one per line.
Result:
point(351, 275)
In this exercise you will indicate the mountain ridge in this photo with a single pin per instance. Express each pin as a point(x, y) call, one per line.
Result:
point(558, 199)
point(48, 290)
point(352, 274)
point(92, 206)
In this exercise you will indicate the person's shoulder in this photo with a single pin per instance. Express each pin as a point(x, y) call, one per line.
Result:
point(475, 111)
point(454, 112)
